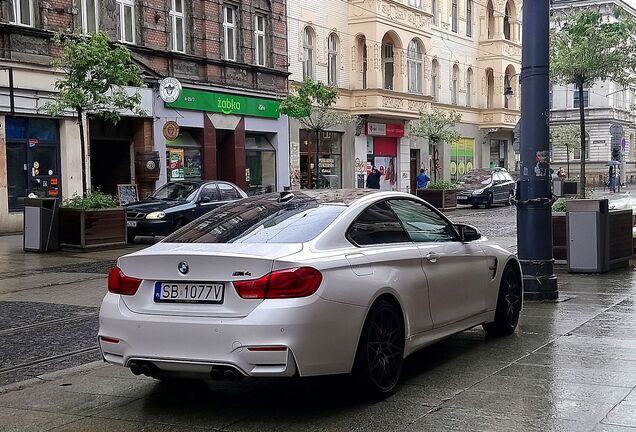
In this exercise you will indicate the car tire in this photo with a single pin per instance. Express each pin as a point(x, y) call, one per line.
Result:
point(378, 364)
point(490, 200)
point(509, 300)
point(130, 239)
point(511, 196)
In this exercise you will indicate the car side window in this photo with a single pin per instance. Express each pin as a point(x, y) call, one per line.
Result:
point(508, 177)
point(228, 193)
point(499, 178)
point(377, 225)
point(209, 191)
point(421, 223)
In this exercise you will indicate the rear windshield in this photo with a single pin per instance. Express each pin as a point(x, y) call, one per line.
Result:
point(261, 219)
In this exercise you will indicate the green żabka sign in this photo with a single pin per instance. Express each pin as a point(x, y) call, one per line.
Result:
point(224, 103)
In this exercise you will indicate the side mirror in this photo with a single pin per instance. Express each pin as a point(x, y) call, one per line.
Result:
point(468, 233)
point(205, 200)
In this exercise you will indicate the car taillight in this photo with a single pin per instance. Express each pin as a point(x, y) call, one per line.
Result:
point(119, 283)
point(289, 283)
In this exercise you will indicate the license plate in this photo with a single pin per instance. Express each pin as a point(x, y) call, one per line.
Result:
point(462, 198)
point(132, 224)
point(195, 292)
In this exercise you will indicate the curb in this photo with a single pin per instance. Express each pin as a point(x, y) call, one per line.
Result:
point(52, 376)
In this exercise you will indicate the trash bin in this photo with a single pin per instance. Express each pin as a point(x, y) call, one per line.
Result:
point(557, 187)
point(588, 236)
point(41, 225)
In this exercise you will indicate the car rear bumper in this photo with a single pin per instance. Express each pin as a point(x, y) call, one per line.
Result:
point(151, 228)
point(311, 336)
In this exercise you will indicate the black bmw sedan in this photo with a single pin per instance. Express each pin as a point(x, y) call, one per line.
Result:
point(175, 204)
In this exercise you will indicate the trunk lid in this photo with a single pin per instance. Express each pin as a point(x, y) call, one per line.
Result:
point(207, 263)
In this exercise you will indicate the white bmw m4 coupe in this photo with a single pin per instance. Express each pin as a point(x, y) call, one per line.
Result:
point(306, 283)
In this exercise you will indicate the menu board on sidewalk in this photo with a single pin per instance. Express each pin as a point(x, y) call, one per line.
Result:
point(127, 194)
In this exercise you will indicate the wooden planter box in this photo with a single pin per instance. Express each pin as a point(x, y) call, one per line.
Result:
point(440, 199)
point(86, 229)
point(559, 236)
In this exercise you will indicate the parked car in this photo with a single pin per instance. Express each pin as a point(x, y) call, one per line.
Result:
point(486, 187)
point(306, 283)
point(177, 203)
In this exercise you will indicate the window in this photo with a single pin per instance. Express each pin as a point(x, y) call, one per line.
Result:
point(586, 98)
point(308, 53)
point(227, 192)
point(259, 40)
point(229, 32)
point(377, 225)
point(490, 19)
point(414, 71)
point(332, 61)
point(260, 164)
point(262, 219)
point(455, 85)
point(421, 223)
point(434, 78)
point(126, 10)
point(490, 88)
point(21, 12)
point(434, 11)
point(415, 3)
point(469, 18)
point(454, 17)
point(388, 66)
point(365, 63)
point(507, 84)
point(177, 17)
point(507, 23)
point(209, 193)
point(469, 87)
point(320, 160)
point(86, 17)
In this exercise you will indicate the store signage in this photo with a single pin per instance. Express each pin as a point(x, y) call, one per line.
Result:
point(171, 130)
point(199, 100)
point(393, 130)
point(170, 89)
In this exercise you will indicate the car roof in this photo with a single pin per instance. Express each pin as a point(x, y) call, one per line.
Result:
point(331, 196)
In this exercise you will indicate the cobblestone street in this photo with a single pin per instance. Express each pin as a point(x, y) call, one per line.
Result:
point(571, 365)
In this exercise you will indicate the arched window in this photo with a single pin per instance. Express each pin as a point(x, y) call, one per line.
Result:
point(510, 101)
point(490, 85)
point(414, 58)
point(308, 53)
point(363, 59)
point(507, 22)
point(455, 85)
point(490, 19)
point(469, 87)
point(454, 17)
point(388, 61)
point(434, 80)
point(332, 60)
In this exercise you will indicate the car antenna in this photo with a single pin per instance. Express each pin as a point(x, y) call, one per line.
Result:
point(286, 195)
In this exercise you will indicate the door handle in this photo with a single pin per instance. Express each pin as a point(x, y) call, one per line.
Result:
point(432, 257)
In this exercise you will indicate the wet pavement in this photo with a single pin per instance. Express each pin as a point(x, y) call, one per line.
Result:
point(571, 365)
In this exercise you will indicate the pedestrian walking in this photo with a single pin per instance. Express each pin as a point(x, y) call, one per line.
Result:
point(423, 179)
point(612, 179)
point(373, 179)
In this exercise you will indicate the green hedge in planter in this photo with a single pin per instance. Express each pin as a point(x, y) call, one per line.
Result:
point(92, 200)
point(441, 185)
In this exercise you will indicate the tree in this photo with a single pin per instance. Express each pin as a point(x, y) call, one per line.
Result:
point(312, 104)
point(566, 137)
point(438, 127)
point(95, 74)
point(587, 48)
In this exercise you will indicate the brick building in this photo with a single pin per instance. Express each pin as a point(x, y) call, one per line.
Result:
point(230, 57)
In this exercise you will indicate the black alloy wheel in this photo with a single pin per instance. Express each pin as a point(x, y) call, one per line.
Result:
point(380, 354)
point(509, 303)
point(511, 196)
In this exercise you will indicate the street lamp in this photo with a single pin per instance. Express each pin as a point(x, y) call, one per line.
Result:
point(508, 92)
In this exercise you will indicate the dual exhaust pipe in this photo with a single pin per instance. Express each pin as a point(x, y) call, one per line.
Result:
point(218, 373)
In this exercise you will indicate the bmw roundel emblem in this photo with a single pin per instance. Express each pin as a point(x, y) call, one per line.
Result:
point(183, 268)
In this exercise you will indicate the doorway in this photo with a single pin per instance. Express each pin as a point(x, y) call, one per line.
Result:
point(110, 152)
point(415, 165)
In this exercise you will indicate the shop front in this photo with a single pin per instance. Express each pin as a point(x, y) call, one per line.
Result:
point(462, 157)
point(383, 148)
point(320, 160)
point(215, 135)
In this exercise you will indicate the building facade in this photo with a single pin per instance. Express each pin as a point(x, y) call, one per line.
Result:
point(392, 60)
point(230, 57)
point(609, 113)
